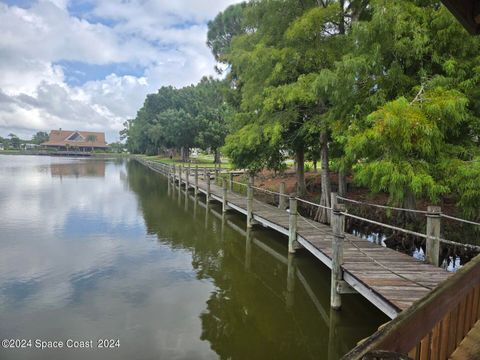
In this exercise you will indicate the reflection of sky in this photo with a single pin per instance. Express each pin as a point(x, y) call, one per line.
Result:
point(75, 261)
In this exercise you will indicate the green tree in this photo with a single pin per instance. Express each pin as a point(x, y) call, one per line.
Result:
point(40, 137)
point(414, 63)
point(14, 141)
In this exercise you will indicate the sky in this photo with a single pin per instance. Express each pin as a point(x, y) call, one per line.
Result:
point(88, 64)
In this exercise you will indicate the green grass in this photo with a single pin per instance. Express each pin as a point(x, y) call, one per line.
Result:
point(204, 161)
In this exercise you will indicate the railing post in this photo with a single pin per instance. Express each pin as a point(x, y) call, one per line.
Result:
point(180, 168)
point(187, 178)
point(231, 181)
point(174, 175)
point(216, 176)
point(249, 205)
point(208, 186)
point(224, 199)
point(282, 200)
point(196, 181)
point(333, 202)
point(292, 228)
point(433, 235)
point(338, 224)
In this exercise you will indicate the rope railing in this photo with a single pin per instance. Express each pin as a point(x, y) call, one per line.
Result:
point(381, 206)
point(313, 204)
point(410, 232)
point(454, 243)
point(461, 220)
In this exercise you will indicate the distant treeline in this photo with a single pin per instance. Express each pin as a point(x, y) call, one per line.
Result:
point(386, 91)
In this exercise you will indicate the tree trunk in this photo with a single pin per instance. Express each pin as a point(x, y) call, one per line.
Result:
point(409, 202)
point(300, 160)
point(315, 169)
point(342, 183)
point(323, 215)
point(216, 159)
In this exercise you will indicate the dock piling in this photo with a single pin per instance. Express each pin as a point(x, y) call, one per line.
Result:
point(196, 181)
point(208, 187)
point(292, 228)
point(231, 181)
point(224, 198)
point(282, 200)
point(249, 205)
point(338, 226)
point(433, 235)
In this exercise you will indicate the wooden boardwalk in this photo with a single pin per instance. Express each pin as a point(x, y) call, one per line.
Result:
point(390, 280)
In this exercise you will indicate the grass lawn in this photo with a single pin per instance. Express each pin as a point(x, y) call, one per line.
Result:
point(201, 161)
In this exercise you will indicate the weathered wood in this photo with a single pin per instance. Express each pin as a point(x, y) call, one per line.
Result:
point(433, 235)
point(446, 304)
point(333, 202)
point(196, 181)
point(338, 222)
point(469, 348)
point(249, 205)
point(230, 174)
point(292, 227)
point(209, 196)
point(225, 207)
point(282, 201)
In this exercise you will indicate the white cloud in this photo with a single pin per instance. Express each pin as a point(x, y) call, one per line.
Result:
point(165, 38)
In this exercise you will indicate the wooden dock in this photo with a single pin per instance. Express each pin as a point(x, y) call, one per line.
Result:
point(390, 280)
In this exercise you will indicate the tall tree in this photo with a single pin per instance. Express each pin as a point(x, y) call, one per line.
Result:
point(40, 137)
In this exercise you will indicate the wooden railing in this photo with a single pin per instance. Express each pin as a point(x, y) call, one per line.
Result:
point(434, 326)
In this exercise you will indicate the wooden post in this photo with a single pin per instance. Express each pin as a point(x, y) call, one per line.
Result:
point(290, 294)
point(433, 235)
point(216, 176)
point(187, 178)
point(180, 168)
point(231, 181)
point(248, 249)
point(292, 228)
point(208, 187)
point(333, 202)
point(174, 175)
point(282, 200)
point(168, 179)
point(249, 205)
point(196, 181)
point(224, 199)
point(338, 224)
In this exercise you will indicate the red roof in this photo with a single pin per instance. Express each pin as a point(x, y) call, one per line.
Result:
point(76, 139)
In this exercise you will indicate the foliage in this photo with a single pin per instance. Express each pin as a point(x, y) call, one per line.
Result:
point(174, 119)
point(40, 137)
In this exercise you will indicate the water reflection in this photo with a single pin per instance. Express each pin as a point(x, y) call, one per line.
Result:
point(120, 256)
point(95, 168)
point(266, 304)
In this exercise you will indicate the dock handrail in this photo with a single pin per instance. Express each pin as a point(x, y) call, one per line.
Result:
point(433, 327)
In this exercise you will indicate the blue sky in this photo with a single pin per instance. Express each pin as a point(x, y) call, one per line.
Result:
point(88, 64)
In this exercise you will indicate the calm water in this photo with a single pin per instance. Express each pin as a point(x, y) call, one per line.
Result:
point(94, 249)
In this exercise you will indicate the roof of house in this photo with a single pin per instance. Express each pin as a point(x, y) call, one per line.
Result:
point(467, 12)
point(76, 138)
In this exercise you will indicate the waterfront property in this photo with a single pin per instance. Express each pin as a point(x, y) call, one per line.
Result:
point(75, 140)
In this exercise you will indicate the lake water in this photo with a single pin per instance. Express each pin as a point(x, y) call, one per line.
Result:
point(101, 249)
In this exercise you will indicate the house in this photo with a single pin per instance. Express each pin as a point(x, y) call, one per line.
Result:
point(75, 140)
